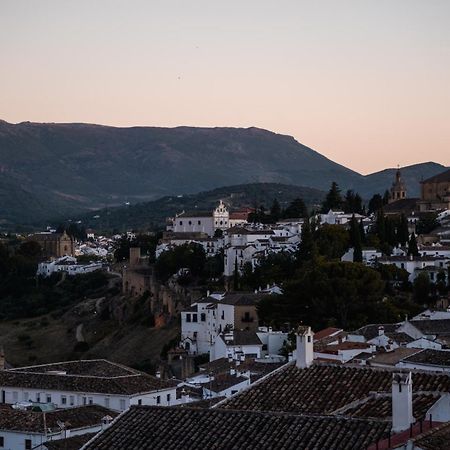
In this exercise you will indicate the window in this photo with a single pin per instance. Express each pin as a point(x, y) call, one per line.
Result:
point(223, 315)
point(158, 400)
point(26, 396)
point(90, 401)
point(38, 397)
point(49, 398)
point(106, 402)
point(188, 317)
point(203, 317)
point(168, 398)
point(15, 396)
point(122, 404)
point(84, 400)
point(194, 318)
point(27, 444)
point(181, 222)
point(199, 222)
point(189, 223)
point(309, 338)
point(63, 400)
point(140, 401)
point(72, 400)
point(2, 441)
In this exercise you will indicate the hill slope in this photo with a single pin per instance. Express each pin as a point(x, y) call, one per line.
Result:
point(153, 214)
point(71, 167)
point(63, 169)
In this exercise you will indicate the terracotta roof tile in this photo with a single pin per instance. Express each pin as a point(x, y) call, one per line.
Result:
point(153, 427)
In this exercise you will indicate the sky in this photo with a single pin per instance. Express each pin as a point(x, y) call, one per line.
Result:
point(365, 83)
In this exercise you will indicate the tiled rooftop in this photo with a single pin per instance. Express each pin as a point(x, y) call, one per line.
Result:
point(371, 331)
point(322, 389)
point(34, 422)
point(93, 368)
point(142, 428)
point(436, 439)
point(432, 326)
point(429, 356)
point(380, 407)
point(71, 443)
point(97, 376)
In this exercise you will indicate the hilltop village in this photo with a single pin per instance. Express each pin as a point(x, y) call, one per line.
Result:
point(325, 328)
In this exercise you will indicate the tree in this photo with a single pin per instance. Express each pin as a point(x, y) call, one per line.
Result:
point(332, 241)
point(402, 231)
point(386, 197)
point(346, 295)
point(188, 256)
point(375, 203)
point(236, 275)
point(275, 211)
point(296, 209)
point(307, 247)
point(30, 249)
point(427, 223)
point(441, 284)
point(422, 288)
point(353, 202)
point(355, 240)
point(412, 246)
point(333, 200)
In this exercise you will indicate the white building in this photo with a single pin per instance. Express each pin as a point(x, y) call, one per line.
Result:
point(338, 217)
point(213, 315)
point(67, 264)
point(85, 382)
point(414, 265)
point(27, 427)
point(203, 222)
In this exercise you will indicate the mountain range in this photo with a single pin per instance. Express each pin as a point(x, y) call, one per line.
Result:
point(52, 170)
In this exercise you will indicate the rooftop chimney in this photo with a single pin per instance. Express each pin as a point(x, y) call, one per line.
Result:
point(305, 350)
point(402, 411)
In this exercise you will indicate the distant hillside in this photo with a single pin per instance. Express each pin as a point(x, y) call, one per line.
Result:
point(378, 182)
point(75, 167)
point(150, 215)
point(64, 169)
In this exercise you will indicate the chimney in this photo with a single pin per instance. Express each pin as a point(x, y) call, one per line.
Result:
point(106, 421)
point(402, 411)
point(380, 330)
point(305, 350)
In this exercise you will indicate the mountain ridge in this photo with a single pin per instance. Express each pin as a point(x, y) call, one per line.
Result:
point(68, 168)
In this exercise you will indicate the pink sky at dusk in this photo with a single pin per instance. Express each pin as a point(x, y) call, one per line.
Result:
point(366, 83)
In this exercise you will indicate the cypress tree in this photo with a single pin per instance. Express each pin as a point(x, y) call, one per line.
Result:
point(412, 246)
point(402, 231)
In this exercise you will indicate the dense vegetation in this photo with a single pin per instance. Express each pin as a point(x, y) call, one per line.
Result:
point(22, 294)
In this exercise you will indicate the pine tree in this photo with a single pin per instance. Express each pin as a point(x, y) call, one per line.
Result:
point(296, 209)
point(333, 200)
